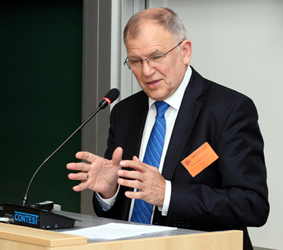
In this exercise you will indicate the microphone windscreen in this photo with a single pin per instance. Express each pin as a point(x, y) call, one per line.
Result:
point(112, 95)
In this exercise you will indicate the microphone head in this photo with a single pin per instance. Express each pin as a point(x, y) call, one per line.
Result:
point(110, 97)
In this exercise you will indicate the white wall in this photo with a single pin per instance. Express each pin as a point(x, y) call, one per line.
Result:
point(240, 45)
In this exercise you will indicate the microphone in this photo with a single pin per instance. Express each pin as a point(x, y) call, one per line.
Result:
point(110, 97)
point(27, 214)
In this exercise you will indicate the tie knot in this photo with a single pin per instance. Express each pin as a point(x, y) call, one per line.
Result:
point(161, 108)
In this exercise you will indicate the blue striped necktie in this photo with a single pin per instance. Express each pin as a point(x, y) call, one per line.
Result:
point(142, 210)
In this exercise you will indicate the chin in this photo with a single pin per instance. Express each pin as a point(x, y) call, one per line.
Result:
point(157, 95)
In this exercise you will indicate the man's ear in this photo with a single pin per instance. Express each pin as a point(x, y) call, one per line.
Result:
point(187, 51)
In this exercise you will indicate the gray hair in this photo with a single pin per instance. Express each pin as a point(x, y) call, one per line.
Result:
point(165, 17)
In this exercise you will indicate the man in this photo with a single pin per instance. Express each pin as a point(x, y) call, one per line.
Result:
point(229, 193)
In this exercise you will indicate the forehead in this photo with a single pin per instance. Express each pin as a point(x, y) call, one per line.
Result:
point(150, 38)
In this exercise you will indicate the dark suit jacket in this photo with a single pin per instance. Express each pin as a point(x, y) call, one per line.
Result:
point(232, 192)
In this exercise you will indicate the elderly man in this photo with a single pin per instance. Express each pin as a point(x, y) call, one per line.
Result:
point(146, 176)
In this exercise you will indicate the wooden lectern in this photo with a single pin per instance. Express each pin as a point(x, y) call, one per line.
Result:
point(13, 237)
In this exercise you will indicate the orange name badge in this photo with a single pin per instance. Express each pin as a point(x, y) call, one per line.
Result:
point(200, 159)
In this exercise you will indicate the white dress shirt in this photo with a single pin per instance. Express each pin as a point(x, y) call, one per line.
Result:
point(170, 116)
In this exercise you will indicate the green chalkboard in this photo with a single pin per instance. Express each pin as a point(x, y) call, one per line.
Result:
point(41, 81)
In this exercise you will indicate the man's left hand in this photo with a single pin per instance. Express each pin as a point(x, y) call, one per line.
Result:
point(146, 179)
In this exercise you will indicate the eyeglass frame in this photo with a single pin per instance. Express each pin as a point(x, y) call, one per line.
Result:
point(126, 62)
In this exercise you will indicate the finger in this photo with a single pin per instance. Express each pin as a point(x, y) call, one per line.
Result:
point(78, 176)
point(135, 164)
point(136, 159)
point(79, 166)
point(129, 183)
point(82, 186)
point(134, 195)
point(117, 156)
point(134, 175)
point(84, 155)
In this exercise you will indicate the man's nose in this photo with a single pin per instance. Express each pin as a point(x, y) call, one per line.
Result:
point(147, 68)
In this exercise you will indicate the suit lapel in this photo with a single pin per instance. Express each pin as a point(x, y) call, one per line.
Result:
point(188, 113)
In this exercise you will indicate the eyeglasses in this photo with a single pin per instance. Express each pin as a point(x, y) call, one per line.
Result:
point(153, 59)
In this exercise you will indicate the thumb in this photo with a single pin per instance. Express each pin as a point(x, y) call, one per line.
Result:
point(136, 159)
point(117, 156)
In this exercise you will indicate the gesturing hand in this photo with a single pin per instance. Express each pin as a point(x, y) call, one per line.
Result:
point(146, 178)
point(97, 173)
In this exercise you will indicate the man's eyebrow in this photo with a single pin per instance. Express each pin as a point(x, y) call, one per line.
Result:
point(134, 57)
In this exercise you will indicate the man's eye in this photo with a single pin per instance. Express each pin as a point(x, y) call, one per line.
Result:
point(134, 62)
point(156, 57)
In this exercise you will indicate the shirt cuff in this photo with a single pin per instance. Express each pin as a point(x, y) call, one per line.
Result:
point(106, 204)
point(167, 198)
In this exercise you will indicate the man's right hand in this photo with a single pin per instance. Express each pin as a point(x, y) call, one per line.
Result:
point(97, 173)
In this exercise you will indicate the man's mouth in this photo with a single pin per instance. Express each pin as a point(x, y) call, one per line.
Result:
point(152, 82)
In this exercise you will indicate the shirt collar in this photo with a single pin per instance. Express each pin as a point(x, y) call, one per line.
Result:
point(175, 100)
